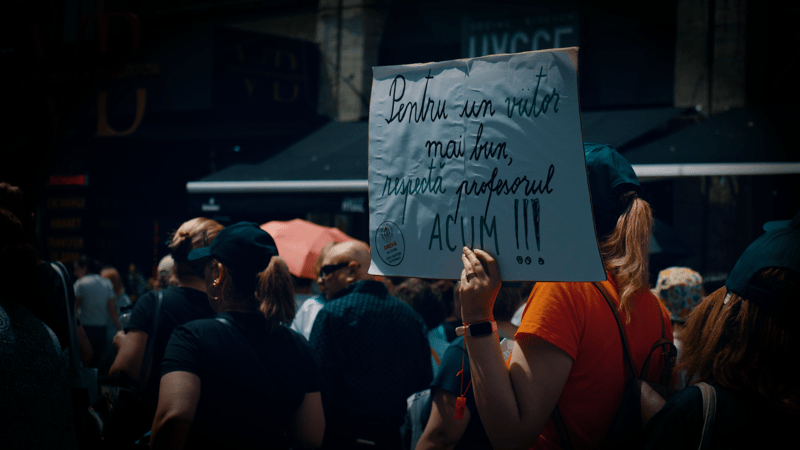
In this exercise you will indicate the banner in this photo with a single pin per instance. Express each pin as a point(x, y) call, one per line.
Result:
point(485, 153)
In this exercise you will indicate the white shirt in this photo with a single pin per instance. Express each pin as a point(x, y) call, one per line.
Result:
point(94, 291)
point(304, 319)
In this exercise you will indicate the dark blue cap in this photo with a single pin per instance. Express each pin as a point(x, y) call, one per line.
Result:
point(242, 247)
point(775, 224)
point(779, 247)
point(610, 175)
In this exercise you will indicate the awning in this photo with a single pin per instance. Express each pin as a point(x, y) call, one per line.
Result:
point(334, 158)
point(741, 141)
point(331, 163)
point(622, 127)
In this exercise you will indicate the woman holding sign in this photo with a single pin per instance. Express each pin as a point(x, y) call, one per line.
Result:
point(568, 350)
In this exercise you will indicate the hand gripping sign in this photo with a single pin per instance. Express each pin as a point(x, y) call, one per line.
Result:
point(485, 153)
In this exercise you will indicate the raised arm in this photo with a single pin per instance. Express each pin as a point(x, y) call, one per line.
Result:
point(514, 402)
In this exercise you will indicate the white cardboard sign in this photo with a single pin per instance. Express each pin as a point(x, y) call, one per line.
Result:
point(485, 153)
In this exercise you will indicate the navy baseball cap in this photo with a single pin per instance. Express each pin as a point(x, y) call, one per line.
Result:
point(779, 247)
point(242, 247)
point(775, 224)
point(610, 175)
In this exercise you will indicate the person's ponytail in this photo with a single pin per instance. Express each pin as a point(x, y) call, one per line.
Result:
point(624, 250)
point(275, 292)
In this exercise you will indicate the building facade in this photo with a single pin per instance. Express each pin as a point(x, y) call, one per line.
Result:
point(119, 104)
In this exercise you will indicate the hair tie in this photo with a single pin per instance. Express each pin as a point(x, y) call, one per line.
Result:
point(180, 250)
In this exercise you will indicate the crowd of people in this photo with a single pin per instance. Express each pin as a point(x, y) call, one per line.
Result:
point(233, 350)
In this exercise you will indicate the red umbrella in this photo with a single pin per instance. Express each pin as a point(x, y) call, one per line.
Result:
point(299, 243)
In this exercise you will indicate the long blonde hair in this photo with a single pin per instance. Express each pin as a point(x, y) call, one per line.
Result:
point(624, 250)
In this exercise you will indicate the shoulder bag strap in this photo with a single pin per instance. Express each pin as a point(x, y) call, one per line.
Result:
point(250, 348)
point(626, 353)
point(709, 412)
point(151, 341)
point(74, 358)
point(558, 420)
point(669, 352)
point(561, 429)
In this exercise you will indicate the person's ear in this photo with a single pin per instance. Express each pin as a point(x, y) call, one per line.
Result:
point(352, 271)
point(221, 275)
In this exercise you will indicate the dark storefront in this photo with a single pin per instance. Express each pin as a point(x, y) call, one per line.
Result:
point(133, 105)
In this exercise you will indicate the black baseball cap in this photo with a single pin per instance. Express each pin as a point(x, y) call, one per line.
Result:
point(779, 247)
point(610, 175)
point(243, 247)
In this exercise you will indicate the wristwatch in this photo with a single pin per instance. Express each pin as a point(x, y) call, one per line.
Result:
point(477, 329)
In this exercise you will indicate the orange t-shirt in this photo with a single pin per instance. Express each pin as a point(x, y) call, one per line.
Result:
point(576, 318)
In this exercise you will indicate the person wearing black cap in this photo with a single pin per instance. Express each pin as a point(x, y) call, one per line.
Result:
point(155, 316)
point(568, 349)
point(242, 379)
point(743, 341)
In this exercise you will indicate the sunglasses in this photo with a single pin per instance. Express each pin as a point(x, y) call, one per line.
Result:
point(324, 271)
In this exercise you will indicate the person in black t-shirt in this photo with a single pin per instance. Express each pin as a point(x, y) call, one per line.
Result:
point(180, 304)
point(243, 379)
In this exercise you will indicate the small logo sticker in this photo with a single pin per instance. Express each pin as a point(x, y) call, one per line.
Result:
point(389, 243)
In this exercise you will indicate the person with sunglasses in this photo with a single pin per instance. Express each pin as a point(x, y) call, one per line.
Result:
point(371, 350)
point(307, 313)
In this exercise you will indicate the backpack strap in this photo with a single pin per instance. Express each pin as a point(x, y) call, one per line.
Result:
point(74, 358)
point(147, 360)
point(658, 343)
point(669, 354)
point(625, 348)
point(561, 429)
point(558, 420)
point(436, 357)
point(709, 413)
point(250, 347)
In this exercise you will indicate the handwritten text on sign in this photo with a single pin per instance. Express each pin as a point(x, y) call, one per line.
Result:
point(485, 153)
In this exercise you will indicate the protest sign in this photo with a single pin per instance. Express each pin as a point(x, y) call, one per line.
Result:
point(486, 153)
